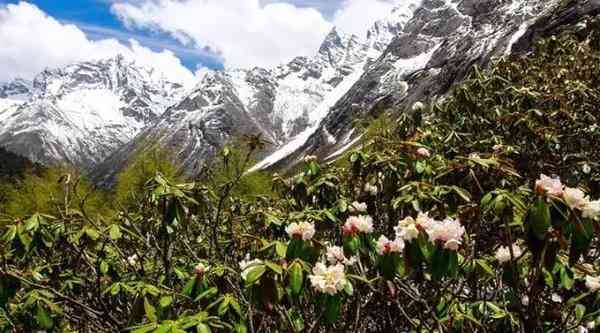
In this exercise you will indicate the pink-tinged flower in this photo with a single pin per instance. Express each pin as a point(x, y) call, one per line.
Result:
point(591, 210)
point(592, 283)
point(201, 269)
point(357, 207)
point(335, 255)
point(407, 229)
point(329, 280)
point(549, 186)
point(358, 224)
point(385, 246)
point(423, 152)
point(574, 198)
point(302, 230)
point(503, 253)
point(449, 231)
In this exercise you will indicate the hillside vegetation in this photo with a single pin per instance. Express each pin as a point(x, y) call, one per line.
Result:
point(478, 212)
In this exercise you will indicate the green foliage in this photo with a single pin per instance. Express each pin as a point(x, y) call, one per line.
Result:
point(439, 222)
point(50, 191)
point(144, 165)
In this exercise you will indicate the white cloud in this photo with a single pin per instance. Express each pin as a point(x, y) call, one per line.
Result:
point(31, 41)
point(357, 16)
point(245, 32)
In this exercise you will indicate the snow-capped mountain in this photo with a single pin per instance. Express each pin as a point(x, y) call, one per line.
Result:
point(81, 113)
point(280, 103)
point(97, 115)
point(437, 48)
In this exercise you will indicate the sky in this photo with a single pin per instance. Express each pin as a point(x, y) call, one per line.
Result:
point(179, 38)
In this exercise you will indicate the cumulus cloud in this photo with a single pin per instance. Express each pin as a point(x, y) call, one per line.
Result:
point(31, 41)
point(245, 32)
point(357, 16)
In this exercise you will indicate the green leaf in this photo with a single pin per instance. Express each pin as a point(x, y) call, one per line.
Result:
point(296, 278)
point(92, 233)
point(43, 319)
point(274, 267)
point(103, 267)
point(165, 301)
point(10, 234)
point(348, 288)
point(579, 311)
point(280, 249)
point(255, 274)
point(207, 294)
point(114, 232)
point(150, 311)
point(240, 328)
point(33, 223)
point(224, 306)
point(333, 307)
point(145, 328)
point(203, 328)
point(538, 219)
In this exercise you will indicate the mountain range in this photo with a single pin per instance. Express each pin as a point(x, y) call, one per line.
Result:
point(96, 115)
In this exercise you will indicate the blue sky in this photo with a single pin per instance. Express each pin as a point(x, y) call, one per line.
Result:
point(95, 18)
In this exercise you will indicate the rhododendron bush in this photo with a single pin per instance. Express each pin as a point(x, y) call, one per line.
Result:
point(478, 213)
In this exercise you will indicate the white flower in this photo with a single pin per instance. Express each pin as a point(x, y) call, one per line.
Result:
point(556, 298)
point(358, 224)
point(449, 231)
point(549, 186)
point(591, 325)
point(525, 300)
point(574, 198)
point(503, 253)
point(497, 148)
point(133, 260)
point(423, 152)
point(357, 207)
point(592, 283)
point(418, 106)
point(407, 229)
point(371, 189)
point(474, 156)
point(302, 230)
point(201, 269)
point(328, 280)
point(310, 158)
point(582, 329)
point(384, 245)
point(335, 255)
point(246, 265)
point(591, 210)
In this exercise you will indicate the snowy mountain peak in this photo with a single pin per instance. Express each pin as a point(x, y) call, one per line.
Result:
point(80, 113)
point(17, 89)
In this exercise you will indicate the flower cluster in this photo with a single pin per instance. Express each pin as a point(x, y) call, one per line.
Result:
point(385, 246)
point(592, 283)
point(329, 280)
point(423, 153)
point(310, 158)
point(201, 269)
point(358, 224)
point(573, 197)
point(335, 255)
point(357, 207)
point(449, 231)
point(503, 253)
point(303, 230)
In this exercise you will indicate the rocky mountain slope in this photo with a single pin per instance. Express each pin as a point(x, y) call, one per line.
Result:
point(97, 115)
point(83, 112)
point(435, 50)
point(282, 104)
